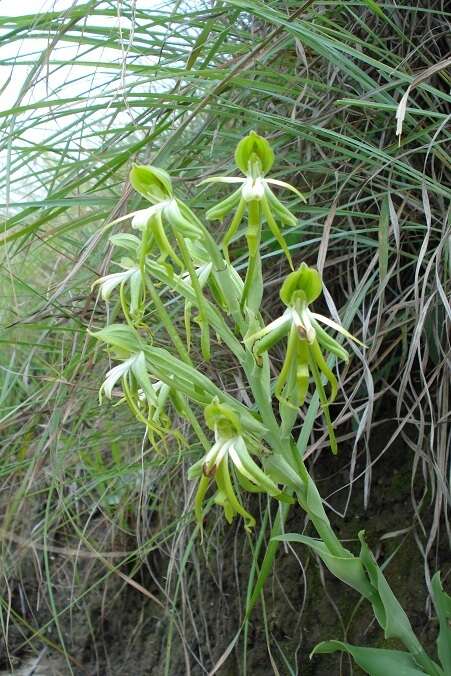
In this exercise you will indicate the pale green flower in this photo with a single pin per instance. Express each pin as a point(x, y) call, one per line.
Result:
point(230, 448)
point(254, 157)
point(306, 337)
point(131, 371)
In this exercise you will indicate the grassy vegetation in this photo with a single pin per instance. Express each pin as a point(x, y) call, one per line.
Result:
point(98, 545)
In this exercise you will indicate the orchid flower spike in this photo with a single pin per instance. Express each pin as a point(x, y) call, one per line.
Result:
point(306, 340)
point(230, 447)
point(254, 157)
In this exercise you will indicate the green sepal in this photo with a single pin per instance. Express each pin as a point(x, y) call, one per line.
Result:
point(152, 183)
point(264, 343)
point(306, 280)
point(254, 147)
point(280, 209)
point(329, 343)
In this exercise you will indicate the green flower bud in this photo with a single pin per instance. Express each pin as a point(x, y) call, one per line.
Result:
point(222, 418)
point(251, 150)
point(152, 183)
point(305, 282)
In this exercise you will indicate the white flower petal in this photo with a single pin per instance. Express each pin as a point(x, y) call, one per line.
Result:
point(210, 457)
point(114, 374)
point(235, 458)
point(286, 317)
point(142, 217)
point(282, 184)
point(109, 282)
point(223, 179)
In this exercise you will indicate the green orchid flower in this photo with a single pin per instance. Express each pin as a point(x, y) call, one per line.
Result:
point(307, 339)
point(131, 274)
point(254, 157)
point(231, 447)
point(169, 216)
point(133, 374)
point(166, 215)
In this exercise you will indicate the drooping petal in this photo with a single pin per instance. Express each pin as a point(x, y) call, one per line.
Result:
point(225, 486)
point(275, 230)
point(282, 184)
point(110, 282)
point(337, 327)
point(113, 376)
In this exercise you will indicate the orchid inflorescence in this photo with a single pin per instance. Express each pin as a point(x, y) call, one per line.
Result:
point(231, 447)
point(173, 258)
point(175, 252)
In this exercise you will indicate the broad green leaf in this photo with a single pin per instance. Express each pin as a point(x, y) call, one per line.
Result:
point(349, 568)
point(375, 661)
point(442, 603)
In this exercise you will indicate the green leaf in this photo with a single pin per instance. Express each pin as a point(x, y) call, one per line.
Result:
point(348, 569)
point(375, 661)
point(442, 603)
point(388, 610)
point(383, 240)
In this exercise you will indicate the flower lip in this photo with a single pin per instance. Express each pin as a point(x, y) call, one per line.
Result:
point(253, 189)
